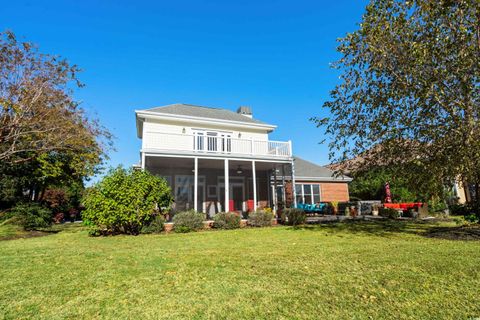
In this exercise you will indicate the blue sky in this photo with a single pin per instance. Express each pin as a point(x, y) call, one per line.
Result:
point(271, 55)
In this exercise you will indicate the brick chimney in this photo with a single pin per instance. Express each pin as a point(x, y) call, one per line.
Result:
point(245, 111)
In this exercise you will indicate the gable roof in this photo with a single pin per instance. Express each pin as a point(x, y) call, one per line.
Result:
point(306, 170)
point(190, 110)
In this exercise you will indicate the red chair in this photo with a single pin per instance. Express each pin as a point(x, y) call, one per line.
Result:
point(250, 205)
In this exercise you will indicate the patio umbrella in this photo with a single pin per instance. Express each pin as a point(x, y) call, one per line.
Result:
point(388, 194)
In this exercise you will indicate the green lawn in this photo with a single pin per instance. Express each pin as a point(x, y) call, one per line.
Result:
point(347, 271)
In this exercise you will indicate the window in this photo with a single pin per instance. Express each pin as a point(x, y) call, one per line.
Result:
point(299, 193)
point(184, 193)
point(212, 141)
point(308, 193)
point(198, 141)
point(316, 193)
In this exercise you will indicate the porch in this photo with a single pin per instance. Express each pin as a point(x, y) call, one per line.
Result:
point(212, 142)
point(212, 185)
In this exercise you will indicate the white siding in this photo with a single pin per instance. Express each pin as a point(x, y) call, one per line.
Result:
point(182, 139)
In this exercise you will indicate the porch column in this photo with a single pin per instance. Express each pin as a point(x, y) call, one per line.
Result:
point(293, 185)
point(254, 176)
point(227, 186)
point(143, 160)
point(195, 184)
point(275, 200)
point(284, 198)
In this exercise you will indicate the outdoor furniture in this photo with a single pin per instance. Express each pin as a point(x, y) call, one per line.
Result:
point(404, 206)
point(312, 208)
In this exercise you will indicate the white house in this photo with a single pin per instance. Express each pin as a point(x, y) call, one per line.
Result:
point(214, 155)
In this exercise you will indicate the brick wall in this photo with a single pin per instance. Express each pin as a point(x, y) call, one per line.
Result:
point(330, 191)
point(334, 191)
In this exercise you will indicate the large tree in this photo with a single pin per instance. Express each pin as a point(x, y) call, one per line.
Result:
point(38, 113)
point(46, 138)
point(409, 95)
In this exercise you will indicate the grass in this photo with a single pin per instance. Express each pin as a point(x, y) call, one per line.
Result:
point(356, 270)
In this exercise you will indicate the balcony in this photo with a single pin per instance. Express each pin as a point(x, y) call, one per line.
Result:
point(222, 145)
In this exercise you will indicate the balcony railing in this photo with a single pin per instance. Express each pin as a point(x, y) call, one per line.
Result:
point(222, 145)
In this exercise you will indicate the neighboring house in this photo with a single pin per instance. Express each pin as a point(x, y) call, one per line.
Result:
point(214, 155)
point(464, 192)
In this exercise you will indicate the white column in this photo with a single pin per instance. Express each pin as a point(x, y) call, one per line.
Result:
point(293, 185)
point(195, 184)
point(275, 200)
point(143, 161)
point(254, 176)
point(227, 186)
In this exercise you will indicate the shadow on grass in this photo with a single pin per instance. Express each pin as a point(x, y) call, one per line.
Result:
point(12, 232)
point(387, 228)
point(455, 233)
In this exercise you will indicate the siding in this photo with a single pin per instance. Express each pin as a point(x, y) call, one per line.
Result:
point(151, 127)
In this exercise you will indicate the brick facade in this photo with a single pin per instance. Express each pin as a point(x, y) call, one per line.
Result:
point(330, 191)
point(334, 191)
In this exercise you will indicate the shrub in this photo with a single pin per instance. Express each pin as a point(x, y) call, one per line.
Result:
point(157, 225)
point(388, 213)
point(56, 199)
point(260, 218)
point(182, 229)
point(226, 220)
point(187, 221)
point(471, 218)
point(32, 216)
point(58, 217)
point(125, 200)
point(293, 217)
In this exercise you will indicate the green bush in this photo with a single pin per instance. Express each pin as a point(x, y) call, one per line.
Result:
point(157, 225)
point(32, 216)
point(125, 200)
point(471, 218)
point(226, 220)
point(460, 209)
point(293, 217)
point(388, 213)
point(187, 221)
point(260, 218)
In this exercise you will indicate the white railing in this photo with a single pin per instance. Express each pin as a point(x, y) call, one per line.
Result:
point(215, 145)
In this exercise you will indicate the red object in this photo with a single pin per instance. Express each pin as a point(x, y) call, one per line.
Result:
point(388, 194)
point(250, 205)
point(404, 206)
point(231, 205)
point(392, 205)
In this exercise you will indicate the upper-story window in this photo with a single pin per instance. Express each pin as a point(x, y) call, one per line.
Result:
point(212, 141)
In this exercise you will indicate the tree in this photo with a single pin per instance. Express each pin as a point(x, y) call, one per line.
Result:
point(409, 95)
point(125, 200)
point(370, 185)
point(46, 138)
point(38, 114)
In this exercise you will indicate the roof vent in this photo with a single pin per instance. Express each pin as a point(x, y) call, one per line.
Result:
point(245, 111)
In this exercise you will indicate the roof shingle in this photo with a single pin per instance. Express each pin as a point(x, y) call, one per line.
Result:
point(304, 168)
point(204, 112)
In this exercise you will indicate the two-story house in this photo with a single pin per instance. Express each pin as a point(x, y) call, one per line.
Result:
point(211, 158)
